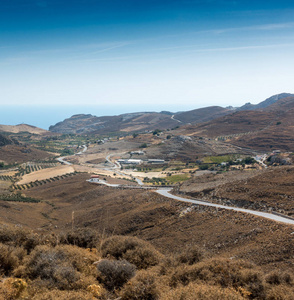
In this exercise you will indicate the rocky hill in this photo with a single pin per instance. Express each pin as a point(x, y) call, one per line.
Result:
point(269, 101)
point(264, 129)
point(145, 121)
point(133, 122)
point(202, 114)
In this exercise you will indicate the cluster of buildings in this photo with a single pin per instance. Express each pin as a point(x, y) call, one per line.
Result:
point(131, 161)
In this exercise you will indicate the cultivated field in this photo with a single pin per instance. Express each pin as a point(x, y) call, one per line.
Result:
point(46, 173)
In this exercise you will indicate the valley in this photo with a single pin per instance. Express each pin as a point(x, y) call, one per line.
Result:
point(149, 181)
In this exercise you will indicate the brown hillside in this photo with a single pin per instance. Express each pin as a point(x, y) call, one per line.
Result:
point(202, 114)
point(167, 224)
point(19, 154)
point(269, 190)
point(265, 129)
point(22, 128)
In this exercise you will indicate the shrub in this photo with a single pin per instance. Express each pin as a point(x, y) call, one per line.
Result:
point(62, 267)
point(15, 236)
point(63, 295)
point(115, 273)
point(276, 277)
point(81, 237)
point(190, 255)
point(141, 287)
point(9, 258)
point(12, 288)
point(202, 292)
point(136, 251)
point(280, 292)
point(222, 272)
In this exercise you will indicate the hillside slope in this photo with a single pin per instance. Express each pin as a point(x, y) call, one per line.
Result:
point(4, 140)
point(202, 114)
point(131, 122)
point(272, 127)
point(267, 102)
point(22, 128)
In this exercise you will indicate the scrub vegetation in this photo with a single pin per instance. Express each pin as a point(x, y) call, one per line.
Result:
point(82, 264)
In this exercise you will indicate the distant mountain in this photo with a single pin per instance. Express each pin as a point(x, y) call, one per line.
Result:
point(135, 122)
point(202, 114)
point(22, 128)
point(145, 121)
point(265, 103)
point(81, 124)
point(264, 129)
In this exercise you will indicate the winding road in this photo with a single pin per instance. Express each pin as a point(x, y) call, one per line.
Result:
point(63, 161)
point(166, 193)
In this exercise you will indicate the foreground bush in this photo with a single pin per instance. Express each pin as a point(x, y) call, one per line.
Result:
point(138, 252)
point(62, 267)
point(10, 258)
point(81, 237)
point(14, 236)
point(202, 292)
point(63, 295)
point(141, 287)
point(190, 255)
point(12, 288)
point(224, 273)
point(115, 273)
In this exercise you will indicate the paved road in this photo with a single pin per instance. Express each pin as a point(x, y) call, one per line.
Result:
point(173, 118)
point(63, 161)
point(166, 193)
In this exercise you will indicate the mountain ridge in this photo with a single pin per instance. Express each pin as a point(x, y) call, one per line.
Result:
point(146, 121)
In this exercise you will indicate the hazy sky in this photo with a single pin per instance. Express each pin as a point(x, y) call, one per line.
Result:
point(105, 56)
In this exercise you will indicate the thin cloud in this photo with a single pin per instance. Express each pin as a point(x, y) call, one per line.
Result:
point(164, 55)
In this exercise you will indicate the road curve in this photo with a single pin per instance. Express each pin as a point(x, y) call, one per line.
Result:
point(166, 193)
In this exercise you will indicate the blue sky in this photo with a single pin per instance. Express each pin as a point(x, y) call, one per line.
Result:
point(110, 56)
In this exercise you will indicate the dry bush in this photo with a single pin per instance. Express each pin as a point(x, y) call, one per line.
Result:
point(115, 273)
point(276, 277)
point(63, 295)
point(201, 292)
point(222, 272)
point(82, 237)
point(12, 288)
point(32, 241)
point(10, 258)
point(190, 255)
point(138, 252)
point(141, 287)
point(97, 291)
point(280, 292)
point(63, 267)
point(14, 236)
